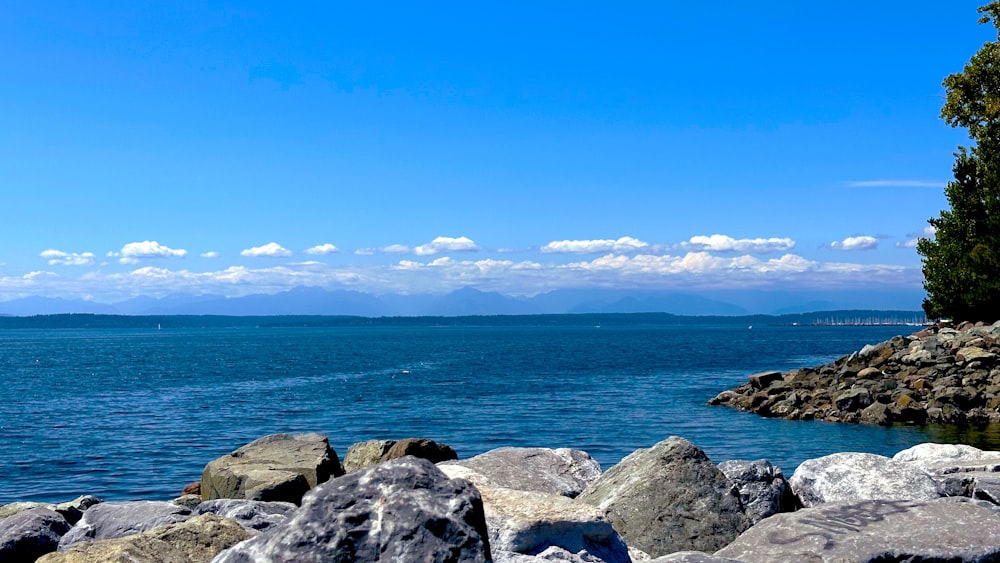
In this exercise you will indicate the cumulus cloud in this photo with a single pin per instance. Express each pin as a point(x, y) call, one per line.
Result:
point(895, 184)
point(60, 258)
point(446, 244)
point(210, 254)
point(723, 243)
point(912, 238)
point(133, 252)
point(323, 249)
point(862, 242)
point(271, 249)
point(623, 244)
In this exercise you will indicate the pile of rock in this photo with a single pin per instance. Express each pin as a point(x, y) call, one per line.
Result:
point(525, 505)
point(940, 374)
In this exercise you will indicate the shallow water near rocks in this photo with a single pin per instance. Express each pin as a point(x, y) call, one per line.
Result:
point(137, 413)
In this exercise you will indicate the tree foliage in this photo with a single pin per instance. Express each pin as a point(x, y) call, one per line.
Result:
point(961, 264)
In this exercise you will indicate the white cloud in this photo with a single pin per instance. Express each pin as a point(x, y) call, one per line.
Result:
point(895, 184)
point(60, 258)
point(323, 249)
point(723, 243)
point(862, 242)
point(132, 252)
point(391, 249)
point(446, 244)
point(912, 238)
point(271, 249)
point(623, 244)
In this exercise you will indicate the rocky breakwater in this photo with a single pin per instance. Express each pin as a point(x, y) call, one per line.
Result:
point(666, 503)
point(941, 374)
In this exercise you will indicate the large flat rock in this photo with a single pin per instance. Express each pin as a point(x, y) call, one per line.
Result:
point(860, 476)
point(529, 523)
point(937, 531)
point(196, 540)
point(561, 471)
point(109, 520)
point(280, 467)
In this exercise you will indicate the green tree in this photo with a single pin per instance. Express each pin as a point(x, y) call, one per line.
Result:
point(961, 264)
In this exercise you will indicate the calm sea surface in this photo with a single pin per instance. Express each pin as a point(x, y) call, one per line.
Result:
point(137, 413)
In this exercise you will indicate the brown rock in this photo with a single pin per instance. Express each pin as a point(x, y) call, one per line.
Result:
point(192, 489)
point(422, 448)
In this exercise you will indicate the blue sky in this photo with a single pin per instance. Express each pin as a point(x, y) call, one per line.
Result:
point(245, 147)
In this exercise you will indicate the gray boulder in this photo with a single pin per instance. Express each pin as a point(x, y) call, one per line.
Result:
point(874, 531)
point(529, 523)
point(109, 520)
point(253, 514)
point(364, 454)
point(400, 510)
point(860, 476)
point(29, 534)
point(669, 498)
point(196, 540)
point(762, 486)
point(280, 467)
point(561, 471)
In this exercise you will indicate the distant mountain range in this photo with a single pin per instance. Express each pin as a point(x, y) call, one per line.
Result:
point(470, 301)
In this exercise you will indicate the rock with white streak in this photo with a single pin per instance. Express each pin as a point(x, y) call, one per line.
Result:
point(400, 510)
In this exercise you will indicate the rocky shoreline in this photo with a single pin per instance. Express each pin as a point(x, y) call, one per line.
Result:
point(289, 498)
point(941, 374)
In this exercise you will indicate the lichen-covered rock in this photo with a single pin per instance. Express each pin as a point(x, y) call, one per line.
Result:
point(280, 467)
point(561, 471)
point(109, 520)
point(530, 522)
point(423, 448)
point(196, 540)
point(873, 531)
point(669, 498)
point(854, 476)
point(30, 534)
point(364, 454)
point(762, 486)
point(400, 510)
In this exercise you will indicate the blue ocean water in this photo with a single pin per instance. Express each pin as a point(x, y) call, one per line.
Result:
point(137, 413)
